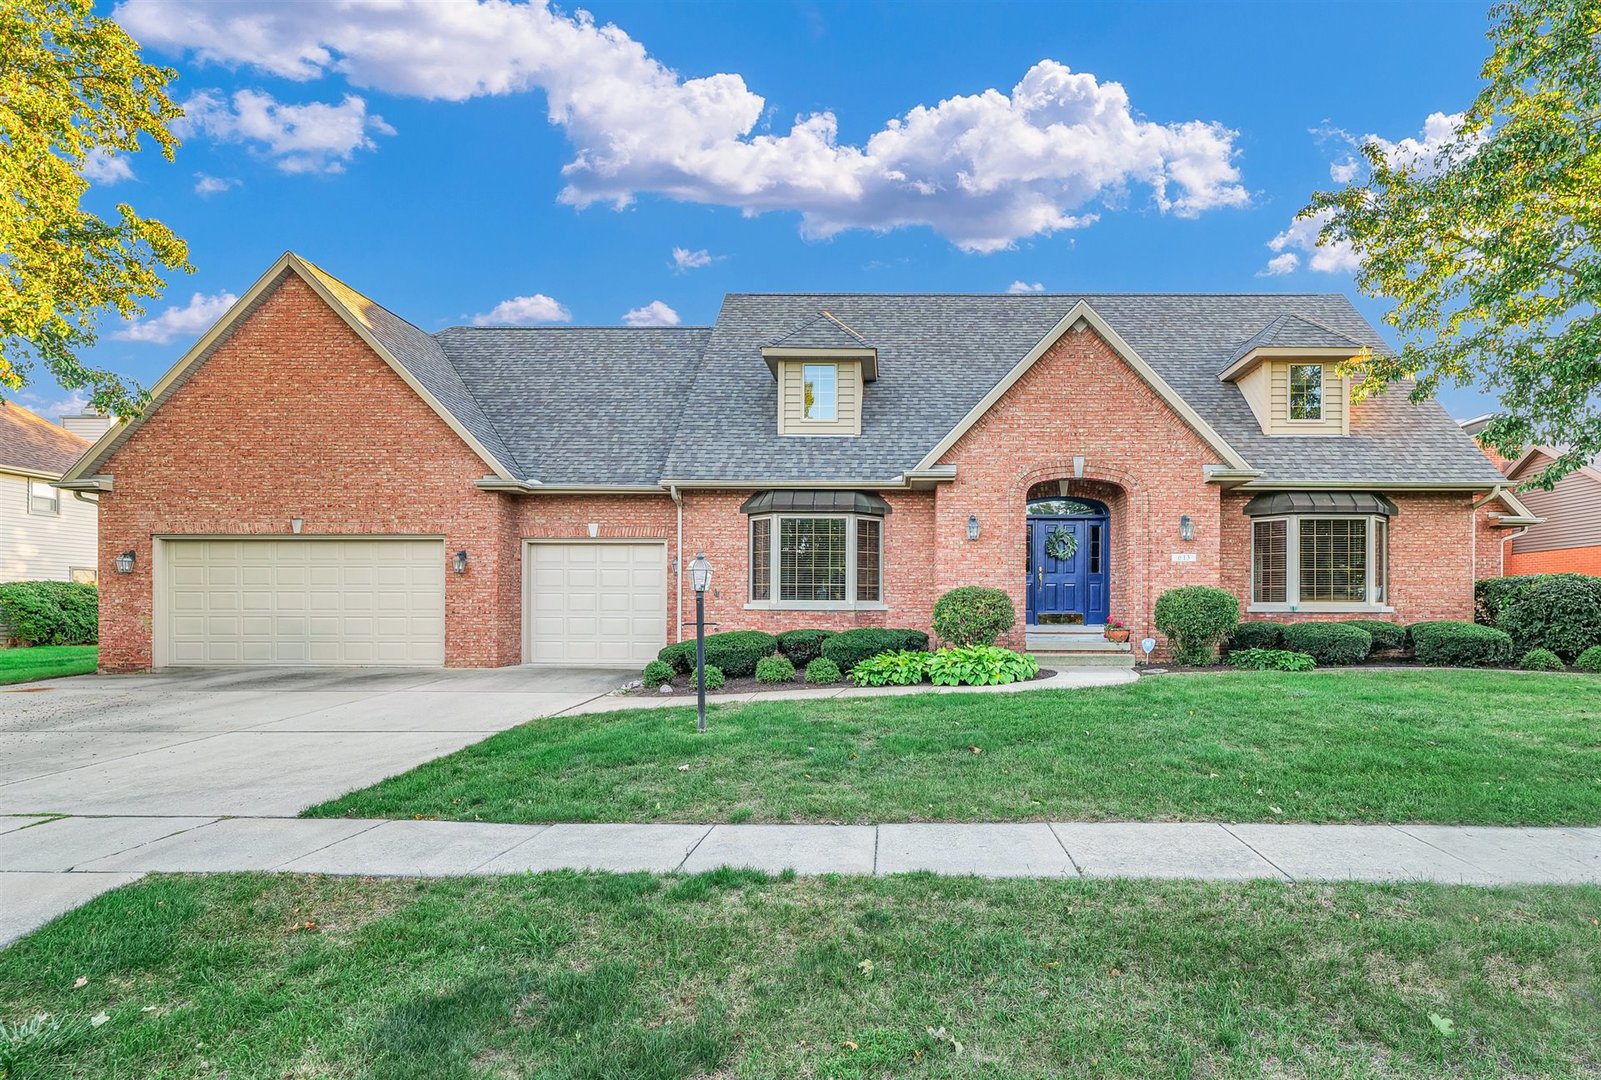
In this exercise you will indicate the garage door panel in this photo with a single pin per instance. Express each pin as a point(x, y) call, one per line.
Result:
point(314, 601)
point(596, 602)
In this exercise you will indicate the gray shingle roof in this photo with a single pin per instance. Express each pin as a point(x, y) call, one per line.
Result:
point(32, 443)
point(1293, 330)
point(823, 332)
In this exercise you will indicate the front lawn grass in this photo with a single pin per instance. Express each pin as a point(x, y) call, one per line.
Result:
point(734, 974)
point(47, 662)
point(1400, 746)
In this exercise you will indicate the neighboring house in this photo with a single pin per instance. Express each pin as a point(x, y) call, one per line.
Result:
point(45, 534)
point(318, 481)
point(1568, 535)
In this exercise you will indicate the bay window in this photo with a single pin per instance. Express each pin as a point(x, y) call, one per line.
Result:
point(1307, 562)
point(811, 558)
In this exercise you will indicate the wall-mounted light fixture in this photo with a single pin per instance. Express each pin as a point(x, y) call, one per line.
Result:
point(1186, 528)
point(594, 529)
point(125, 562)
point(458, 562)
point(295, 525)
point(972, 526)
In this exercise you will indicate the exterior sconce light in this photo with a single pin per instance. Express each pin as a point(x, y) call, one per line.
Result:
point(458, 562)
point(1186, 528)
point(295, 525)
point(972, 526)
point(700, 573)
point(125, 562)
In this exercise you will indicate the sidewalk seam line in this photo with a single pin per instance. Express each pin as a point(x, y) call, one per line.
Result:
point(693, 847)
point(525, 840)
point(136, 847)
point(1077, 869)
point(876, 829)
point(1242, 840)
point(1448, 854)
point(307, 854)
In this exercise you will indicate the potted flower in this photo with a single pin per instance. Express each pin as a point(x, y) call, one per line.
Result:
point(1116, 630)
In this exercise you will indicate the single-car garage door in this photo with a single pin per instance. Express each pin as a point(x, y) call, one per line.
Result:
point(303, 602)
point(597, 603)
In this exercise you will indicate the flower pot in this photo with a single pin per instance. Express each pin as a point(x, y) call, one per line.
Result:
point(1117, 635)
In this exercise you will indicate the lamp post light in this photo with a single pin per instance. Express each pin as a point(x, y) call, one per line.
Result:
point(700, 576)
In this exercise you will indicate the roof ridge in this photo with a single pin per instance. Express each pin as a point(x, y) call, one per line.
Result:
point(1052, 295)
point(580, 326)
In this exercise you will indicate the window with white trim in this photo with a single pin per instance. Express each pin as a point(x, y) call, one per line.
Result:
point(821, 383)
point(42, 498)
point(817, 560)
point(1311, 561)
point(1306, 391)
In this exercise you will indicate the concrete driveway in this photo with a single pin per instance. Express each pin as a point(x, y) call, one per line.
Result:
point(253, 742)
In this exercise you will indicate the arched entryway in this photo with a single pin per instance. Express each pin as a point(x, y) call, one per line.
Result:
point(1069, 561)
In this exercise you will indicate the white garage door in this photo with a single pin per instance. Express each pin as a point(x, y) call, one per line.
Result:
point(308, 602)
point(596, 603)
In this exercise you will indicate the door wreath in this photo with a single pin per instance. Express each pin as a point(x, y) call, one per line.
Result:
point(1061, 544)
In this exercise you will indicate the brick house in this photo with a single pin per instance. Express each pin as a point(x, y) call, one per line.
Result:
point(319, 482)
point(1566, 534)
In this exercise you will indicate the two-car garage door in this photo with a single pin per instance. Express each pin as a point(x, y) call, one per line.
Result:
point(302, 602)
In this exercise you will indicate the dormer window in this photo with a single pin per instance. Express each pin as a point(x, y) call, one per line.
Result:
point(1306, 391)
point(820, 387)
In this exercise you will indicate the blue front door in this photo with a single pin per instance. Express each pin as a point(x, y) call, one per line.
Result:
point(1068, 570)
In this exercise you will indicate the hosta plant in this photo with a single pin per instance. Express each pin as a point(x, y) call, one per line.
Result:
point(980, 665)
point(902, 668)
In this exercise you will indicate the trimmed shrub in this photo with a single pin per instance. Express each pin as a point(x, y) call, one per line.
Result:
point(51, 612)
point(903, 668)
point(1589, 660)
point(1559, 612)
point(853, 646)
point(980, 665)
point(1329, 642)
point(736, 652)
point(1541, 660)
point(1257, 635)
point(775, 669)
point(1459, 644)
point(803, 646)
point(1386, 635)
point(714, 678)
point(656, 673)
point(1491, 595)
point(1271, 660)
point(1196, 619)
point(822, 671)
point(973, 615)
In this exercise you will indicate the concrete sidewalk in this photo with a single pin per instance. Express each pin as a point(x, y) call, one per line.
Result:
point(49, 866)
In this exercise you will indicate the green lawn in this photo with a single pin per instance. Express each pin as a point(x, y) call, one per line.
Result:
point(46, 662)
point(1378, 745)
point(735, 975)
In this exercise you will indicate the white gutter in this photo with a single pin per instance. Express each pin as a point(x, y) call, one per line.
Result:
point(1495, 493)
point(678, 559)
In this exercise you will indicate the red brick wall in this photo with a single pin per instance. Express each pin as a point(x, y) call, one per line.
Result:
point(1582, 560)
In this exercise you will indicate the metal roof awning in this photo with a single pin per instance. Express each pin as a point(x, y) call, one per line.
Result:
point(815, 502)
point(1320, 502)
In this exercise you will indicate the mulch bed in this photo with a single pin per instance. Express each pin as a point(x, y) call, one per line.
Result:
point(683, 688)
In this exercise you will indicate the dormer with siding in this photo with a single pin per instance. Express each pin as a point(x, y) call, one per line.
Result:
point(822, 369)
point(1290, 373)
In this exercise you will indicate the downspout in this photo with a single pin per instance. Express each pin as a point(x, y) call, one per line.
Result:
point(84, 496)
point(678, 558)
point(1505, 540)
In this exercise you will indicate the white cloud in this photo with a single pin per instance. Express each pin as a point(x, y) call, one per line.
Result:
point(984, 170)
point(1343, 172)
point(1427, 152)
point(1278, 265)
point(53, 408)
point(1302, 236)
point(685, 259)
point(213, 185)
point(99, 167)
point(654, 313)
point(1017, 287)
point(178, 322)
point(315, 137)
point(524, 311)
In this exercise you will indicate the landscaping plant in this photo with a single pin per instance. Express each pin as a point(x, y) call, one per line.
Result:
point(1541, 660)
point(736, 652)
point(656, 673)
point(775, 669)
point(1388, 636)
point(853, 646)
point(822, 672)
point(1257, 635)
point(714, 678)
point(51, 612)
point(1329, 643)
point(980, 665)
point(803, 646)
point(1560, 612)
point(903, 668)
point(1196, 619)
point(973, 615)
point(1589, 660)
point(1271, 660)
point(1448, 643)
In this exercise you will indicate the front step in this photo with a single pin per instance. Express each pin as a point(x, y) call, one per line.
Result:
point(1072, 641)
point(1059, 661)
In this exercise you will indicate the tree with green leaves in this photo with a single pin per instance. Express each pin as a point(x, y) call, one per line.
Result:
point(73, 89)
point(1488, 250)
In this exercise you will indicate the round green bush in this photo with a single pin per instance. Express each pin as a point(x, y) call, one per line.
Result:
point(1447, 643)
point(822, 671)
point(973, 615)
point(803, 646)
point(1258, 634)
point(1559, 612)
point(1329, 643)
point(51, 612)
point(736, 652)
point(1196, 619)
point(657, 672)
point(1589, 660)
point(1541, 660)
point(1388, 636)
point(853, 646)
point(775, 669)
point(714, 678)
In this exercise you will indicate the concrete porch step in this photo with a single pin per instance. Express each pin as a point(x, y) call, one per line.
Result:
point(1063, 661)
point(1072, 643)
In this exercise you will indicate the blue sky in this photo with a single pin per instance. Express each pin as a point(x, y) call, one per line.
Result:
point(412, 151)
